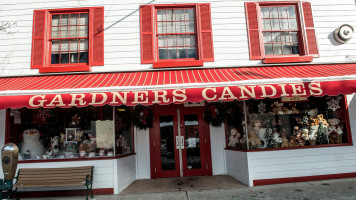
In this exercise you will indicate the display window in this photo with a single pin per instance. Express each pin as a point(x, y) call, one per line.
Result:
point(69, 133)
point(287, 123)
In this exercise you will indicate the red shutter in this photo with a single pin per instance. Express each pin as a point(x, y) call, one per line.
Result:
point(38, 39)
point(146, 25)
point(97, 51)
point(310, 31)
point(253, 32)
point(206, 32)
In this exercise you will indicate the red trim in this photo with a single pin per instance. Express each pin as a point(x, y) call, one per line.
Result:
point(253, 32)
point(288, 59)
point(302, 179)
point(59, 193)
point(348, 125)
point(7, 126)
point(72, 68)
point(77, 159)
point(287, 148)
point(178, 63)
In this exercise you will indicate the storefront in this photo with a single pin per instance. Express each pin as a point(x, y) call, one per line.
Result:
point(98, 119)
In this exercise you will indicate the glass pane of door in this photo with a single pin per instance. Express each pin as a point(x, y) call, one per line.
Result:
point(192, 142)
point(167, 142)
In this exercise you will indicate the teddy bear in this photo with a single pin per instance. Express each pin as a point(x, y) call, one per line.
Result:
point(234, 138)
point(312, 121)
point(285, 142)
point(292, 142)
point(31, 147)
point(253, 140)
point(55, 145)
point(313, 112)
point(321, 120)
point(335, 128)
point(277, 139)
point(305, 134)
point(79, 136)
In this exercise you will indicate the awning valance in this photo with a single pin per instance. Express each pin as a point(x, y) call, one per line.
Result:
point(177, 86)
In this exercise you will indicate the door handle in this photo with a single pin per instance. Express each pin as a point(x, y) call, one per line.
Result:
point(182, 142)
point(177, 142)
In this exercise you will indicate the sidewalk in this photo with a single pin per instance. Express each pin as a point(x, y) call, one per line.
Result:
point(340, 189)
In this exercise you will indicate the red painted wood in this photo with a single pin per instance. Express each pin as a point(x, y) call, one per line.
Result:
point(146, 31)
point(302, 179)
point(96, 51)
point(206, 41)
point(38, 39)
point(71, 68)
point(310, 31)
point(287, 59)
point(178, 63)
point(60, 193)
point(253, 31)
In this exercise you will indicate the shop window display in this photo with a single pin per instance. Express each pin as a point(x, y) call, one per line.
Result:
point(64, 133)
point(285, 123)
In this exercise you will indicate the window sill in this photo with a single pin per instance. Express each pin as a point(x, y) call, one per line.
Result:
point(77, 159)
point(178, 63)
point(72, 68)
point(289, 148)
point(289, 59)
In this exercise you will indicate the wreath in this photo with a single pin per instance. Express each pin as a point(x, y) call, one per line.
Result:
point(215, 113)
point(142, 117)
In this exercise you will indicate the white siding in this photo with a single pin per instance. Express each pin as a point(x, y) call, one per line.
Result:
point(142, 148)
point(122, 39)
point(237, 165)
point(305, 162)
point(126, 172)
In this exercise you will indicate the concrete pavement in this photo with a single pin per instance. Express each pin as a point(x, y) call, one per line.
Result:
point(340, 189)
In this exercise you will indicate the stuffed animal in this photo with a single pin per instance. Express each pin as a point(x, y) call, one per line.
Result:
point(92, 144)
point(333, 139)
point(313, 112)
point(321, 120)
point(84, 146)
point(55, 145)
point(63, 137)
point(313, 133)
point(285, 142)
point(292, 141)
point(234, 138)
point(79, 135)
point(335, 127)
point(253, 140)
point(305, 134)
point(31, 147)
point(277, 139)
point(312, 121)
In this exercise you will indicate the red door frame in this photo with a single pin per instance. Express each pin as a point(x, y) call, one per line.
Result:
point(155, 150)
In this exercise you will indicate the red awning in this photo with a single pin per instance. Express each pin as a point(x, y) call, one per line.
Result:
point(177, 86)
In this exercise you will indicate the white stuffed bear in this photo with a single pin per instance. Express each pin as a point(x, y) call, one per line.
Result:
point(335, 127)
point(31, 147)
point(234, 138)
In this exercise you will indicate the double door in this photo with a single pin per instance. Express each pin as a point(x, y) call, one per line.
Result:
point(179, 143)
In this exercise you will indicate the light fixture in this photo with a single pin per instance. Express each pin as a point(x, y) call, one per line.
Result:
point(343, 33)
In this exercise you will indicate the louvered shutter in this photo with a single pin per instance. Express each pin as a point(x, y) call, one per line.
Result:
point(146, 31)
point(206, 32)
point(97, 51)
point(253, 32)
point(309, 30)
point(38, 39)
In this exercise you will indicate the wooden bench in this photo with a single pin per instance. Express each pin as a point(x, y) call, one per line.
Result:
point(55, 177)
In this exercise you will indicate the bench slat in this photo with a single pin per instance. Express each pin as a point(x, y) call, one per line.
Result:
point(60, 169)
point(54, 174)
point(48, 184)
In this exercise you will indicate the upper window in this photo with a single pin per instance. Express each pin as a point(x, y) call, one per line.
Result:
point(276, 32)
point(67, 39)
point(177, 35)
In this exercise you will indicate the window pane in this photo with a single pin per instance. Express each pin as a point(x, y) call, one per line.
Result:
point(73, 19)
point(277, 49)
point(180, 40)
point(189, 14)
point(170, 27)
point(162, 41)
point(55, 20)
point(287, 50)
point(274, 12)
point(161, 28)
point(64, 20)
point(65, 45)
point(83, 20)
point(172, 53)
point(169, 15)
point(55, 45)
point(55, 58)
point(180, 15)
point(163, 54)
point(73, 32)
point(74, 58)
point(191, 28)
point(267, 37)
point(268, 49)
point(284, 24)
point(191, 52)
point(283, 12)
point(83, 31)
point(83, 57)
point(74, 45)
point(266, 24)
point(293, 24)
point(295, 49)
point(83, 44)
point(284, 37)
point(275, 24)
point(294, 36)
point(64, 32)
point(276, 37)
point(190, 40)
point(182, 53)
point(265, 12)
point(64, 58)
point(291, 11)
point(171, 40)
point(55, 32)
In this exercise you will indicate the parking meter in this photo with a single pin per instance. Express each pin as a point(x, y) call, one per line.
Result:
point(9, 158)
